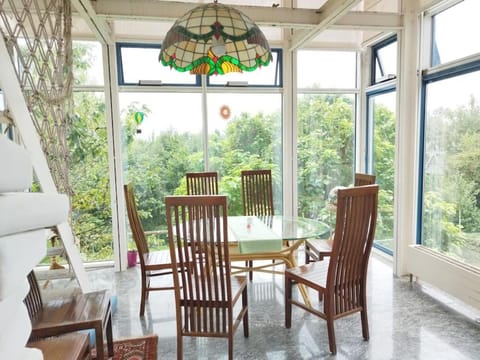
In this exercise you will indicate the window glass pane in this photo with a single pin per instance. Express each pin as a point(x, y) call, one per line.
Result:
point(245, 132)
point(386, 62)
point(266, 75)
point(88, 71)
point(325, 152)
point(382, 119)
point(89, 177)
point(158, 151)
point(139, 63)
point(451, 179)
point(455, 32)
point(326, 69)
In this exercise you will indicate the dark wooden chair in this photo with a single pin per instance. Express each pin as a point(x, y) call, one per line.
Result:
point(202, 183)
point(73, 346)
point(257, 197)
point(317, 249)
point(152, 263)
point(341, 280)
point(205, 291)
point(257, 193)
point(364, 179)
point(69, 314)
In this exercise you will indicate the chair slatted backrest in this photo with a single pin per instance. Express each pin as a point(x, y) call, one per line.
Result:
point(364, 179)
point(354, 235)
point(257, 193)
point(197, 233)
point(136, 224)
point(202, 183)
point(33, 300)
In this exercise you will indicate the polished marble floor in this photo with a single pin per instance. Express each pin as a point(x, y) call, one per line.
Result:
point(406, 322)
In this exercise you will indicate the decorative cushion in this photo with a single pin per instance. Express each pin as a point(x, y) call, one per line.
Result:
point(28, 211)
point(15, 165)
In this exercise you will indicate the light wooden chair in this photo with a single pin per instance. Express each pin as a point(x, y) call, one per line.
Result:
point(205, 291)
point(341, 280)
point(317, 249)
point(202, 183)
point(152, 263)
point(257, 197)
point(69, 314)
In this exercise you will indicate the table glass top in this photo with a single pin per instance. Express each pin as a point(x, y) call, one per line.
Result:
point(275, 227)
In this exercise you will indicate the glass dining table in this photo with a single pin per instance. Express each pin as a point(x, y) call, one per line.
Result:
point(270, 238)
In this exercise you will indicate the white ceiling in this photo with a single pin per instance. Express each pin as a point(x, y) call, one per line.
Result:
point(336, 24)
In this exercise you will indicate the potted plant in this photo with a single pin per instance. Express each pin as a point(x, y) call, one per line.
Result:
point(132, 255)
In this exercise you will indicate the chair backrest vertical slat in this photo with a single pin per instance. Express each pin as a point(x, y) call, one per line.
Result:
point(257, 193)
point(353, 239)
point(33, 300)
point(202, 183)
point(197, 232)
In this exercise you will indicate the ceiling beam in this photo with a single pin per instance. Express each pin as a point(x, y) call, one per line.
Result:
point(330, 13)
point(369, 20)
point(261, 15)
point(172, 10)
point(98, 25)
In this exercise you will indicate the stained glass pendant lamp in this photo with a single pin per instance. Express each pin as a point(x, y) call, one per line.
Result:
point(215, 39)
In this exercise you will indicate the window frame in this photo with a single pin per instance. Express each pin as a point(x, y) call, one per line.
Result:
point(457, 69)
point(375, 56)
point(278, 79)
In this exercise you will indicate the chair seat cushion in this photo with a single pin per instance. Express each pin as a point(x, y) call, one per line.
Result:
point(29, 211)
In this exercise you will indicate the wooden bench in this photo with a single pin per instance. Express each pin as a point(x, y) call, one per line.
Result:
point(73, 346)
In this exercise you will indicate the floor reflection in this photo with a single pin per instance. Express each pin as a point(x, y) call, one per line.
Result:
point(405, 322)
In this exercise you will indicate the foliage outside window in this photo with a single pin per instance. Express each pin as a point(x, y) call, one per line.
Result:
point(451, 172)
point(325, 129)
point(449, 196)
point(381, 120)
point(324, 152)
point(88, 158)
point(172, 143)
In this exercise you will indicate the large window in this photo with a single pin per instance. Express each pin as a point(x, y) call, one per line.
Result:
point(380, 136)
point(450, 197)
point(88, 156)
point(381, 155)
point(325, 133)
point(171, 129)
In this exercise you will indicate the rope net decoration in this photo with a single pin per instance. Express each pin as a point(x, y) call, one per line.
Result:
point(38, 38)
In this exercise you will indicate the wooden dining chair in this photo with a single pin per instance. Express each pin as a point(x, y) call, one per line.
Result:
point(152, 263)
point(205, 291)
point(317, 249)
point(69, 314)
point(257, 197)
point(364, 179)
point(202, 183)
point(257, 193)
point(341, 280)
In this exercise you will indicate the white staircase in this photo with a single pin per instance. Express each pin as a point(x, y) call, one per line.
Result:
point(24, 218)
